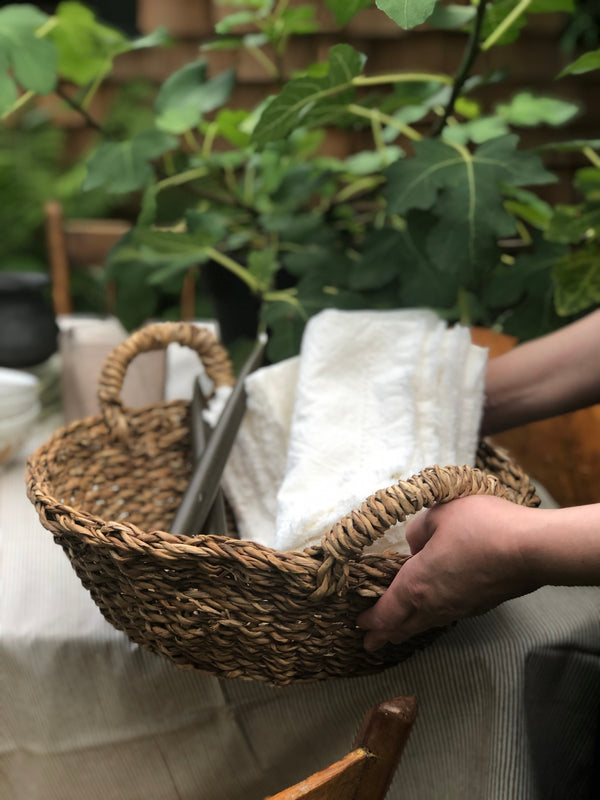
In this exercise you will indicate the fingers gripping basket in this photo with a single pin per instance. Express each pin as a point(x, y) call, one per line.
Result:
point(107, 488)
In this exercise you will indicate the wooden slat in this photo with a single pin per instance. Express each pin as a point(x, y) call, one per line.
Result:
point(88, 242)
point(336, 782)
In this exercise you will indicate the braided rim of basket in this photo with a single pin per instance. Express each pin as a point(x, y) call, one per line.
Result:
point(343, 543)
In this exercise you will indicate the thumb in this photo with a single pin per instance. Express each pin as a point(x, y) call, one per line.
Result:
point(420, 530)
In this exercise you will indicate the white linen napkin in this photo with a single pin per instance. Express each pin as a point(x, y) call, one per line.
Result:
point(374, 396)
point(354, 423)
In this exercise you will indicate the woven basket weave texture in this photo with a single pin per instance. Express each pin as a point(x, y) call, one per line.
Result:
point(107, 488)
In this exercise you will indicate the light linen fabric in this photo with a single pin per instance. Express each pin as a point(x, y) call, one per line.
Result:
point(373, 397)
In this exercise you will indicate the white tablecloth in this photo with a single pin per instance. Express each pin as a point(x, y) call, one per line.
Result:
point(509, 702)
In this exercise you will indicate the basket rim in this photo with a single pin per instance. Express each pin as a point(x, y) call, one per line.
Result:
point(40, 492)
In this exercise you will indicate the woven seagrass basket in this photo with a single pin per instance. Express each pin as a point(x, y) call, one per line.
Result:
point(107, 488)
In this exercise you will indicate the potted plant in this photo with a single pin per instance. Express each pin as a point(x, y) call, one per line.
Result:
point(426, 211)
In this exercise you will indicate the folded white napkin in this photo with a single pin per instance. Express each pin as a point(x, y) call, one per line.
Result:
point(354, 424)
point(374, 396)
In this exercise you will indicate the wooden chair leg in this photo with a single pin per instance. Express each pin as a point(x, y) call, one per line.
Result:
point(384, 732)
point(57, 255)
point(188, 295)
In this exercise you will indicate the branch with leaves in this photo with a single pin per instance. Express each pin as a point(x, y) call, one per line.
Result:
point(416, 217)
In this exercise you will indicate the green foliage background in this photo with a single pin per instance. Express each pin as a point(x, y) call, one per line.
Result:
point(427, 215)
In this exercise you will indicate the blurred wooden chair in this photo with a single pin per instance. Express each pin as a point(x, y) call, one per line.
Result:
point(366, 772)
point(563, 452)
point(85, 243)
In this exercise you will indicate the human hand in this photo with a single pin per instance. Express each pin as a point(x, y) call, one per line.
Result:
point(466, 560)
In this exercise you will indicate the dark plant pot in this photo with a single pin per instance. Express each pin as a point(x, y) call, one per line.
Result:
point(28, 330)
point(235, 306)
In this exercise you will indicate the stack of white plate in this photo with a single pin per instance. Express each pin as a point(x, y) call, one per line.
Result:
point(19, 408)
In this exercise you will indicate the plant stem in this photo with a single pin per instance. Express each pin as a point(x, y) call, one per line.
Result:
point(182, 177)
point(191, 141)
point(373, 114)
point(45, 29)
point(400, 77)
point(22, 100)
point(463, 307)
point(209, 139)
point(505, 24)
point(90, 121)
point(472, 50)
point(592, 156)
point(365, 184)
point(263, 59)
point(92, 90)
point(233, 266)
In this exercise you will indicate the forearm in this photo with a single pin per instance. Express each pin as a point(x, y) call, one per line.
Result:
point(562, 546)
point(549, 376)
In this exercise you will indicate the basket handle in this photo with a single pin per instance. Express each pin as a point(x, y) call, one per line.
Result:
point(379, 512)
point(157, 337)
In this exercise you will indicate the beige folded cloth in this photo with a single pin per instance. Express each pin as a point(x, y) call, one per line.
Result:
point(84, 344)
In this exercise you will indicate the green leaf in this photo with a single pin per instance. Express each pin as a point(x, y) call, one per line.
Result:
point(575, 144)
point(463, 190)
point(310, 100)
point(528, 206)
point(344, 10)
point(369, 161)
point(31, 59)
point(8, 90)
point(585, 63)
point(415, 182)
point(510, 283)
point(158, 38)
point(448, 17)
point(233, 21)
point(476, 130)
point(148, 205)
point(577, 280)
point(187, 95)
point(407, 13)
point(178, 120)
point(123, 167)
point(587, 181)
point(296, 22)
point(527, 110)
point(136, 300)
point(574, 223)
point(171, 243)
point(291, 226)
point(263, 265)
point(229, 124)
point(211, 223)
point(470, 109)
point(422, 282)
point(286, 324)
point(379, 260)
point(86, 47)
